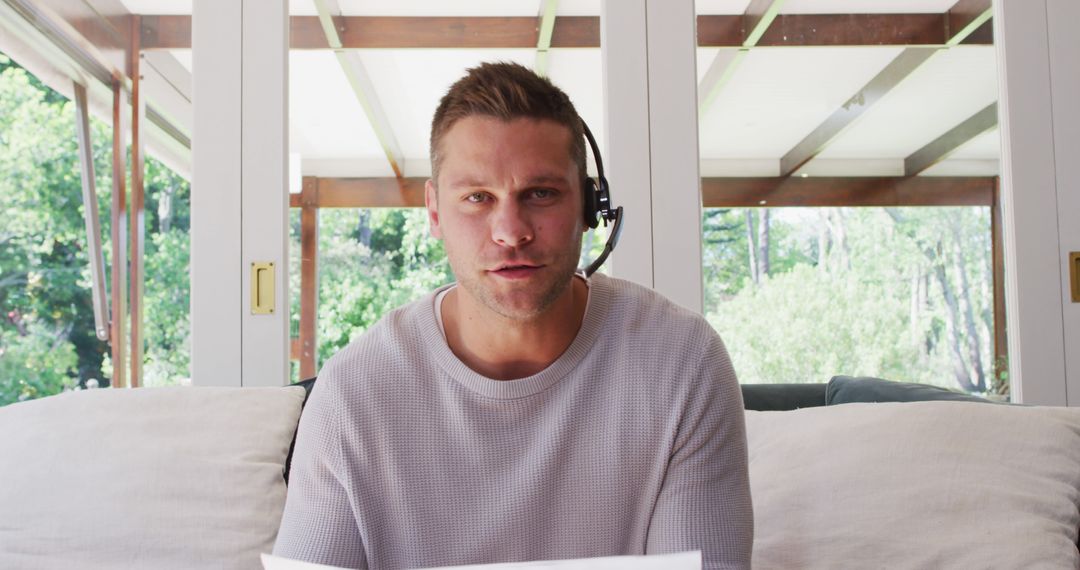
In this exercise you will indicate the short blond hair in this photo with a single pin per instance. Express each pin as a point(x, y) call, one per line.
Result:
point(506, 91)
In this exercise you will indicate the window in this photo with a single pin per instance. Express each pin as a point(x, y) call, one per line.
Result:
point(47, 337)
point(802, 294)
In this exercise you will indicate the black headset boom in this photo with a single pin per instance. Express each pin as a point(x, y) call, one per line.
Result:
point(597, 196)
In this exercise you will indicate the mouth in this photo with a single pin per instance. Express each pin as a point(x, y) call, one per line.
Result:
point(515, 270)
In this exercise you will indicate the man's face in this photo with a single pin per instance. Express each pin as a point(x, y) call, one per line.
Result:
point(507, 205)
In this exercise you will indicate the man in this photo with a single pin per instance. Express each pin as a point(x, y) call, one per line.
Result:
point(525, 412)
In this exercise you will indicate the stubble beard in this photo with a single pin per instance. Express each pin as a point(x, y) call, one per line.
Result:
point(562, 269)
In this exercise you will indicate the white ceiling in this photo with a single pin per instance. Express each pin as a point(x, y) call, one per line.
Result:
point(775, 98)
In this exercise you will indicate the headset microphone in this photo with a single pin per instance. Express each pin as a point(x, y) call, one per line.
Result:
point(597, 196)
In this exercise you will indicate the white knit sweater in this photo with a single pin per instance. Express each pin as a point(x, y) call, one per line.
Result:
point(632, 442)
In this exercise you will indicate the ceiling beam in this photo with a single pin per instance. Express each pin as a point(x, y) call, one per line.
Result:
point(786, 30)
point(758, 17)
point(965, 17)
point(899, 68)
point(98, 46)
point(333, 26)
point(716, 192)
point(546, 27)
point(365, 193)
point(847, 191)
point(940, 148)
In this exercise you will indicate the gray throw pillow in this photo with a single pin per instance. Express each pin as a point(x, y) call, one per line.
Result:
point(848, 389)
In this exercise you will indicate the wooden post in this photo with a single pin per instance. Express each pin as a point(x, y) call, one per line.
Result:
point(118, 212)
point(997, 247)
point(138, 210)
point(309, 275)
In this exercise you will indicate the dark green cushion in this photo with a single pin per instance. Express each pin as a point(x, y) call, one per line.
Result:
point(782, 397)
point(848, 389)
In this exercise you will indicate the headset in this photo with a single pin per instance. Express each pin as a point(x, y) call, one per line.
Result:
point(597, 196)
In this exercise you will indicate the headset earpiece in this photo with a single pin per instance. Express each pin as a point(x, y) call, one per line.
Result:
point(597, 197)
point(589, 195)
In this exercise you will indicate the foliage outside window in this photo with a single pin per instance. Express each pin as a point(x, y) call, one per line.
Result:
point(803, 294)
point(47, 339)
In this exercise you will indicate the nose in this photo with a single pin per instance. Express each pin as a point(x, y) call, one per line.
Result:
point(510, 225)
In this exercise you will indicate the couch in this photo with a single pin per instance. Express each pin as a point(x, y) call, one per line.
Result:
point(855, 473)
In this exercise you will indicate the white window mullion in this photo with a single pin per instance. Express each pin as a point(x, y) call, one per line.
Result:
point(650, 93)
point(239, 190)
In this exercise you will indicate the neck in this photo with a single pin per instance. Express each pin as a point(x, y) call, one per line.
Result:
point(505, 349)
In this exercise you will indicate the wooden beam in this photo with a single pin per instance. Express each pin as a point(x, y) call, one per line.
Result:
point(371, 192)
point(983, 35)
point(1001, 345)
point(333, 26)
point(786, 30)
point(118, 213)
point(819, 192)
point(940, 148)
point(965, 17)
point(138, 207)
point(899, 68)
point(95, 44)
point(855, 29)
point(757, 18)
point(309, 276)
point(716, 192)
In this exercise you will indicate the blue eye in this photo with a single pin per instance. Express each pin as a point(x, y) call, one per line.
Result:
point(476, 197)
point(543, 193)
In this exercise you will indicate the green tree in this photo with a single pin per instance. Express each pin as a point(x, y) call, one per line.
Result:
point(47, 336)
point(44, 275)
point(900, 293)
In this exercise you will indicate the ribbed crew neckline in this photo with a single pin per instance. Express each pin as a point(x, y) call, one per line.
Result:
point(596, 306)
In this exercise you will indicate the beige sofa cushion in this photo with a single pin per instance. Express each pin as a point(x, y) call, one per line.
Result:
point(916, 485)
point(146, 478)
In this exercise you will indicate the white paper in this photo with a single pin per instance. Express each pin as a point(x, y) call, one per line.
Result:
point(680, 561)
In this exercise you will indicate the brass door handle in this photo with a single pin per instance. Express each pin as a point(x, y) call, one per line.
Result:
point(262, 288)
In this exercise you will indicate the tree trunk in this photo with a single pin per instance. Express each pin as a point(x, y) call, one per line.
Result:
point(915, 310)
point(363, 228)
point(165, 209)
point(972, 337)
point(952, 314)
point(750, 246)
point(763, 244)
point(952, 322)
point(839, 239)
point(823, 240)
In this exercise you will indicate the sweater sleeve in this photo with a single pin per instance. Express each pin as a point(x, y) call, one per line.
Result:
point(318, 524)
point(704, 502)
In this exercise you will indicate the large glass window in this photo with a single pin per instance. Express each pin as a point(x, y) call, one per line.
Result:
point(849, 158)
point(802, 294)
point(48, 342)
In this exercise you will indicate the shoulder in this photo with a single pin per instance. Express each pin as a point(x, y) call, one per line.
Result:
point(635, 309)
point(392, 346)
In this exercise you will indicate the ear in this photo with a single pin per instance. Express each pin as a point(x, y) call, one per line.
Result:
point(431, 202)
